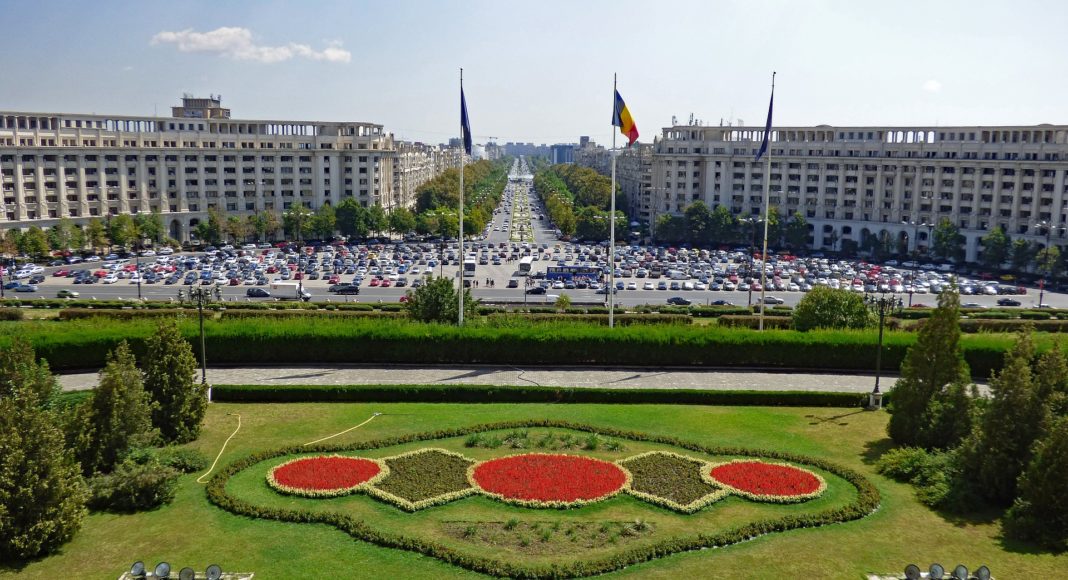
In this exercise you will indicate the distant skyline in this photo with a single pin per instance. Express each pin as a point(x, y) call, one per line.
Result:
point(542, 71)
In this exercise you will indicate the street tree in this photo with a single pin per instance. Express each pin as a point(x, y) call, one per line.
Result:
point(1048, 262)
point(1023, 252)
point(237, 228)
point(723, 226)
point(402, 221)
point(297, 222)
point(324, 222)
point(150, 226)
point(169, 368)
point(59, 235)
point(996, 247)
point(376, 219)
point(96, 234)
point(699, 223)
point(437, 301)
point(123, 230)
point(948, 242)
point(796, 232)
point(351, 218)
point(825, 307)
point(34, 242)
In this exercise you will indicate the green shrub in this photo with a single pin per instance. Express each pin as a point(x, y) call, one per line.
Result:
point(182, 459)
point(825, 307)
point(10, 314)
point(133, 487)
point(930, 472)
point(914, 313)
point(1007, 326)
point(1035, 314)
point(753, 321)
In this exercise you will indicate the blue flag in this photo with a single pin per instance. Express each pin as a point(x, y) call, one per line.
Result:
point(465, 123)
point(767, 129)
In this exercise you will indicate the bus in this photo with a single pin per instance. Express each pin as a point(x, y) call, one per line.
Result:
point(469, 268)
point(525, 264)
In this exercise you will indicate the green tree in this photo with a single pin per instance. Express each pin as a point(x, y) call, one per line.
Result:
point(351, 218)
point(236, 228)
point(796, 232)
point(42, 494)
point(59, 235)
point(271, 223)
point(825, 307)
point(150, 226)
point(9, 242)
point(376, 219)
point(123, 230)
point(999, 450)
point(401, 221)
point(1040, 512)
point(723, 227)
point(563, 302)
point(77, 238)
point(948, 242)
point(297, 222)
point(1021, 254)
point(699, 223)
point(1048, 262)
point(926, 404)
point(324, 223)
point(96, 234)
point(179, 401)
point(21, 372)
point(670, 229)
point(34, 242)
point(117, 417)
point(437, 301)
point(995, 249)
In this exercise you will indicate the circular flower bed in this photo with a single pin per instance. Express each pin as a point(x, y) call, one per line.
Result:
point(325, 475)
point(544, 480)
point(762, 481)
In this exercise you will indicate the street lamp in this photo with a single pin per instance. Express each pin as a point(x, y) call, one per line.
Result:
point(752, 222)
point(1048, 267)
point(882, 305)
point(201, 295)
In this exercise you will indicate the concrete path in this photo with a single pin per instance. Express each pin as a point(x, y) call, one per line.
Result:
point(615, 377)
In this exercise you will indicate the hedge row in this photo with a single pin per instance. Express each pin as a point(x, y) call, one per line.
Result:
point(10, 314)
point(598, 319)
point(240, 314)
point(752, 321)
point(514, 394)
point(80, 344)
point(979, 325)
point(867, 501)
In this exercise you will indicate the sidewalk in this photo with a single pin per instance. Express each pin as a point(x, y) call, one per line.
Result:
point(590, 377)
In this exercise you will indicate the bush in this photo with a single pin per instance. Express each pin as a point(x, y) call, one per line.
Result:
point(133, 487)
point(1006, 326)
point(824, 307)
point(10, 314)
point(753, 321)
point(182, 459)
point(1040, 513)
point(929, 472)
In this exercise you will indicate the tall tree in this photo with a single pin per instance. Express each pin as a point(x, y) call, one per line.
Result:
point(376, 219)
point(150, 225)
point(77, 238)
point(401, 221)
point(934, 383)
point(237, 228)
point(21, 373)
point(34, 242)
point(42, 494)
point(96, 234)
point(9, 242)
point(995, 249)
point(351, 218)
point(59, 235)
point(169, 368)
point(1048, 262)
point(1040, 513)
point(1022, 253)
point(796, 232)
point(117, 416)
point(324, 222)
point(297, 222)
point(723, 227)
point(699, 223)
point(948, 243)
point(670, 229)
point(123, 230)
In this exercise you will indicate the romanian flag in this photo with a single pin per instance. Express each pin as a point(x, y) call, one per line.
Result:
point(621, 118)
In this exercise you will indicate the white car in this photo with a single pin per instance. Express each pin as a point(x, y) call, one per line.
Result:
point(110, 279)
point(646, 286)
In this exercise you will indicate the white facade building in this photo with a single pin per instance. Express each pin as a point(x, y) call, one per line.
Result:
point(850, 182)
point(55, 165)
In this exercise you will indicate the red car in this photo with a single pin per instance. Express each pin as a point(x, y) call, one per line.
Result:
point(334, 279)
point(376, 282)
point(235, 282)
point(61, 273)
point(386, 283)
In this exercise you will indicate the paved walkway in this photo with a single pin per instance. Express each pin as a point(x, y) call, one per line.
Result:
point(614, 377)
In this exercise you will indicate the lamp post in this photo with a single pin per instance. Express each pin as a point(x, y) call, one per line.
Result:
point(752, 221)
point(882, 305)
point(201, 295)
point(1047, 266)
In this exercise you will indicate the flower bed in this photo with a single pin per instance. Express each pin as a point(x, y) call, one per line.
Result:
point(423, 478)
point(548, 481)
point(671, 480)
point(325, 475)
point(763, 481)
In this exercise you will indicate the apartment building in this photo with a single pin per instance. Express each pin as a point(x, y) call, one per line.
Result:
point(634, 173)
point(852, 182)
point(55, 165)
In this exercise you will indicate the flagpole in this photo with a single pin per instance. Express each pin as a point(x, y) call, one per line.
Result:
point(612, 227)
point(767, 213)
point(463, 257)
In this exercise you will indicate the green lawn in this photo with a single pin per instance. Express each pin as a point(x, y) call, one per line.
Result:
point(193, 532)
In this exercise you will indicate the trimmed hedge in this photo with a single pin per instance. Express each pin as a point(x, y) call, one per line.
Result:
point(81, 344)
point(513, 394)
point(82, 313)
point(599, 319)
point(242, 314)
point(979, 325)
point(866, 502)
point(10, 314)
point(753, 321)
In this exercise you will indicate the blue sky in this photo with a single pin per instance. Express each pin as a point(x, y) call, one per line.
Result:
point(542, 71)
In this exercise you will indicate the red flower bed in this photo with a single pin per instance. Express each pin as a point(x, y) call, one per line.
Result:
point(323, 475)
point(769, 481)
point(541, 480)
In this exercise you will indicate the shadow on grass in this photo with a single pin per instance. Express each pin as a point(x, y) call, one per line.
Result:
point(875, 449)
point(817, 420)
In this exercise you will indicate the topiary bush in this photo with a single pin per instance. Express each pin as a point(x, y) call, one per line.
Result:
point(133, 487)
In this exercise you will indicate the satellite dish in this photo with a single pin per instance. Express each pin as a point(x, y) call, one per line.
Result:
point(912, 572)
point(214, 572)
point(138, 569)
point(983, 573)
point(960, 572)
point(163, 570)
point(187, 573)
point(937, 572)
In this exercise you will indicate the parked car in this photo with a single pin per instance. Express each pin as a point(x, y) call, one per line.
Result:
point(678, 301)
point(348, 289)
point(257, 293)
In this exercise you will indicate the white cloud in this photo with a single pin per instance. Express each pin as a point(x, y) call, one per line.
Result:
point(237, 43)
point(932, 86)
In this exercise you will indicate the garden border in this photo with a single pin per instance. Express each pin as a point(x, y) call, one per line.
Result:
point(867, 501)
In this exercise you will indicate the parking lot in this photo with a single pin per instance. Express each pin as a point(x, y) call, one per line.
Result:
point(510, 263)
